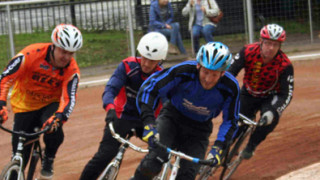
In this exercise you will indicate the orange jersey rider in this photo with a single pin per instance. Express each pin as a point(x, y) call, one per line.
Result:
point(45, 79)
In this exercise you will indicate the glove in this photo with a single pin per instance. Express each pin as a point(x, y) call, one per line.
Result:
point(111, 116)
point(266, 119)
point(149, 132)
point(54, 123)
point(3, 114)
point(215, 154)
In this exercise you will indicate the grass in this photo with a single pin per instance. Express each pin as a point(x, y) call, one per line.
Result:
point(105, 47)
point(98, 47)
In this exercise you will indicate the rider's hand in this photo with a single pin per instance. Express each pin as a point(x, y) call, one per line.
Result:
point(54, 123)
point(111, 116)
point(215, 154)
point(266, 119)
point(3, 114)
point(149, 133)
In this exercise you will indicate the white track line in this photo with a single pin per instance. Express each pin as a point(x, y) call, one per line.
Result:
point(301, 57)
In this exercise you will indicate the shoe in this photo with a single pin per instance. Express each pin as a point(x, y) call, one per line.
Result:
point(173, 50)
point(47, 169)
point(248, 152)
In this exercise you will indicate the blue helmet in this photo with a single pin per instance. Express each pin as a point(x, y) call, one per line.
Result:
point(215, 56)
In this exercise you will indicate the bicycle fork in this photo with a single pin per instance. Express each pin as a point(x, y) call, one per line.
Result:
point(18, 157)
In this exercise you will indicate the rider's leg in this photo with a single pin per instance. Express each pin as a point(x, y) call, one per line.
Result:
point(193, 140)
point(108, 149)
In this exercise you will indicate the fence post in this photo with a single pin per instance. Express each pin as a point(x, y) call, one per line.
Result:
point(10, 32)
point(73, 13)
point(310, 20)
point(250, 21)
point(130, 28)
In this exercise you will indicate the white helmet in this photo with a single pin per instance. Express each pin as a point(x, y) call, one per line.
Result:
point(67, 37)
point(153, 46)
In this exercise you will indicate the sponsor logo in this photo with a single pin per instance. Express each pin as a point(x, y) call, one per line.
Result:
point(198, 109)
point(46, 67)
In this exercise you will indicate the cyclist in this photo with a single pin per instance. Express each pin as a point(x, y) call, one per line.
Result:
point(119, 99)
point(267, 83)
point(45, 78)
point(197, 91)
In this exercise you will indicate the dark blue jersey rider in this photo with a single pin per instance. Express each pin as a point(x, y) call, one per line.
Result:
point(197, 91)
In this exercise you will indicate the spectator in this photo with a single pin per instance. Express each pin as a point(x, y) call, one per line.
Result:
point(199, 23)
point(161, 20)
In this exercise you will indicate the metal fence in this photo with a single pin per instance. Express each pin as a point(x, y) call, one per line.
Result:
point(300, 18)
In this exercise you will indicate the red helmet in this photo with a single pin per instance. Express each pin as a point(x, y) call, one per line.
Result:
point(273, 32)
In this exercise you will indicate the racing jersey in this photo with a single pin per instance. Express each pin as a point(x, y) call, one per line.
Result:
point(122, 88)
point(180, 84)
point(263, 80)
point(36, 83)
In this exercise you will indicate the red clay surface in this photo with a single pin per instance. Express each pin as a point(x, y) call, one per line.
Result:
point(294, 144)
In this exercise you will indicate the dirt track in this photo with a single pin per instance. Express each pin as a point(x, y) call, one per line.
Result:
point(294, 144)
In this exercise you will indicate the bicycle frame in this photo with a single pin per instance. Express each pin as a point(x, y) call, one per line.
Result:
point(231, 164)
point(115, 164)
point(18, 156)
point(179, 155)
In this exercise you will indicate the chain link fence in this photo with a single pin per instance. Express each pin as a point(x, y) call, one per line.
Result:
point(300, 18)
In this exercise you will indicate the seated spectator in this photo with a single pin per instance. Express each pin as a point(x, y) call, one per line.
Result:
point(161, 20)
point(199, 23)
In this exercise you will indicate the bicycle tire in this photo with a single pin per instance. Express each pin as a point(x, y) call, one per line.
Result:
point(10, 171)
point(234, 158)
point(110, 173)
point(206, 172)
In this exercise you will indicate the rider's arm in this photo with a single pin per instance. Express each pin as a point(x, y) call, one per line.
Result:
point(13, 70)
point(286, 89)
point(68, 97)
point(114, 85)
point(238, 63)
point(231, 109)
point(159, 85)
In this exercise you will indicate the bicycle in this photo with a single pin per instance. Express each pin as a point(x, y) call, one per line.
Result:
point(111, 171)
point(232, 156)
point(176, 165)
point(14, 170)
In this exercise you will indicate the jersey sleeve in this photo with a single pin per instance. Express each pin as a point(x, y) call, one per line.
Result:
point(13, 70)
point(157, 87)
point(237, 63)
point(286, 89)
point(231, 109)
point(113, 87)
point(68, 97)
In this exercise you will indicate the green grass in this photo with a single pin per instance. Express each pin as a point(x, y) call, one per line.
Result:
point(98, 47)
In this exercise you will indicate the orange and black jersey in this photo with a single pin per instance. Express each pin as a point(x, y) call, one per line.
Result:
point(263, 80)
point(36, 83)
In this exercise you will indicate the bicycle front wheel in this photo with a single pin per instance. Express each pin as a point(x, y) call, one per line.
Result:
point(110, 173)
point(11, 171)
point(206, 172)
point(234, 157)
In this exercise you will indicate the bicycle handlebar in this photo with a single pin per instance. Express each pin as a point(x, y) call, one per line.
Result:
point(124, 141)
point(247, 120)
point(23, 134)
point(183, 155)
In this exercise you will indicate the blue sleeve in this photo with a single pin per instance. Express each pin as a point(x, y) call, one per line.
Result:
point(231, 110)
point(160, 85)
point(114, 85)
point(154, 19)
point(170, 19)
